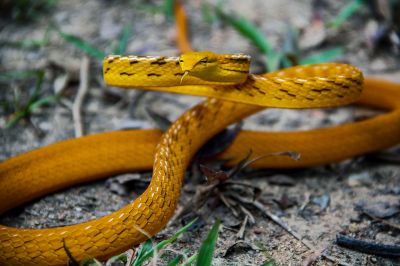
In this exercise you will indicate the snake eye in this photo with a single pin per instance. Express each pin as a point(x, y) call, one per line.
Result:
point(204, 60)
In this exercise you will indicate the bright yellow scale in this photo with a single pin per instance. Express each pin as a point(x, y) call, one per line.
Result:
point(234, 94)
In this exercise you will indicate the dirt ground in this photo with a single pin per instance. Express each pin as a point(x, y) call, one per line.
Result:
point(317, 203)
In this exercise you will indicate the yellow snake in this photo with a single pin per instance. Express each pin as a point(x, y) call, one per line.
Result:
point(221, 77)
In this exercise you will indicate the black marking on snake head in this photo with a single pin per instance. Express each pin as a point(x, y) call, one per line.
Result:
point(258, 89)
point(126, 74)
point(178, 74)
point(153, 74)
point(339, 95)
point(357, 81)
point(278, 98)
point(107, 69)
point(310, 99)
point(320, 90)
point(234, 70)
point(241, 60)
point(133, 62)
point(288, 93)
point(345, 86)
point(159, 62)
point(110, 61)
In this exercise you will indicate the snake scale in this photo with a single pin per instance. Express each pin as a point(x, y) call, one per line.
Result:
point(233, 94)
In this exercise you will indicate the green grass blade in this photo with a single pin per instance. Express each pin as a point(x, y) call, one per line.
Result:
point(149, 253)
point(83, 45)
point(15, 118)
point(345, 13)
point(38, 88)
point(34, 102)
point(273, 60)
point(169, 9)
point(247, 29)
point(18, 75)
point(270, 262)
point(123, 41)
point(190, 260)
point(140, 257)
point(206, 13)
point(323, 56)
point(43, 101)
point(207, 248)
point(175, 261)
point(35, 44)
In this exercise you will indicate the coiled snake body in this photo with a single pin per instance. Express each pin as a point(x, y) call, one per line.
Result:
point(220, 77)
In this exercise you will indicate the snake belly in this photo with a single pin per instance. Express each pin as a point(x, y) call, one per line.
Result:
point(321, 85)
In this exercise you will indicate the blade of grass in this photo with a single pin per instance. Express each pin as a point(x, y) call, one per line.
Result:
point(345, 13)
point(34, 102)
point(247, 29)
point(123, 41)
point(149, 253)
point(190, 260)
point(18, 75)
point(206, 13)
point(323, 56)
point(291, 47)
point(29, 43)
point(175, 261)
point(250, 31)
point(169, 9)
point(273, 60)
point(43, 101)
point(270, 262)
point(84, 46)
point(15, 118)
point(38, 88)
point(207, 248)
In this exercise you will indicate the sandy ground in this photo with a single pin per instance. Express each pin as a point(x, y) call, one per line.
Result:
point(338, 191)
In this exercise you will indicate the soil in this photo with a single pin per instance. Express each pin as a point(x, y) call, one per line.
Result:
point(317, 203)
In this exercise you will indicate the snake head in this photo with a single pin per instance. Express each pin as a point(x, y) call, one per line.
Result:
point(199, 64)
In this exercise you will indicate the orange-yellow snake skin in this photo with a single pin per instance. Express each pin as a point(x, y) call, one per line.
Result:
point(51, 168)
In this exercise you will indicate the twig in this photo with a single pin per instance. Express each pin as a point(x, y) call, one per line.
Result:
point(376, 219)
point(248, 213)
point(281, 223)
point(83, 88)
point(368, 247)
point(240, 234)
point(227, 203)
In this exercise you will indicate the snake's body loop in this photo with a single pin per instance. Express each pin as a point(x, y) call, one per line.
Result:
point(111, 153)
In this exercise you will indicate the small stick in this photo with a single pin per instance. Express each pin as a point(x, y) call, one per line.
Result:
point(393, 225)
point(83, 88)
point(282, 224)
point(240, 234)
point(368, 247)
point(227, 204)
